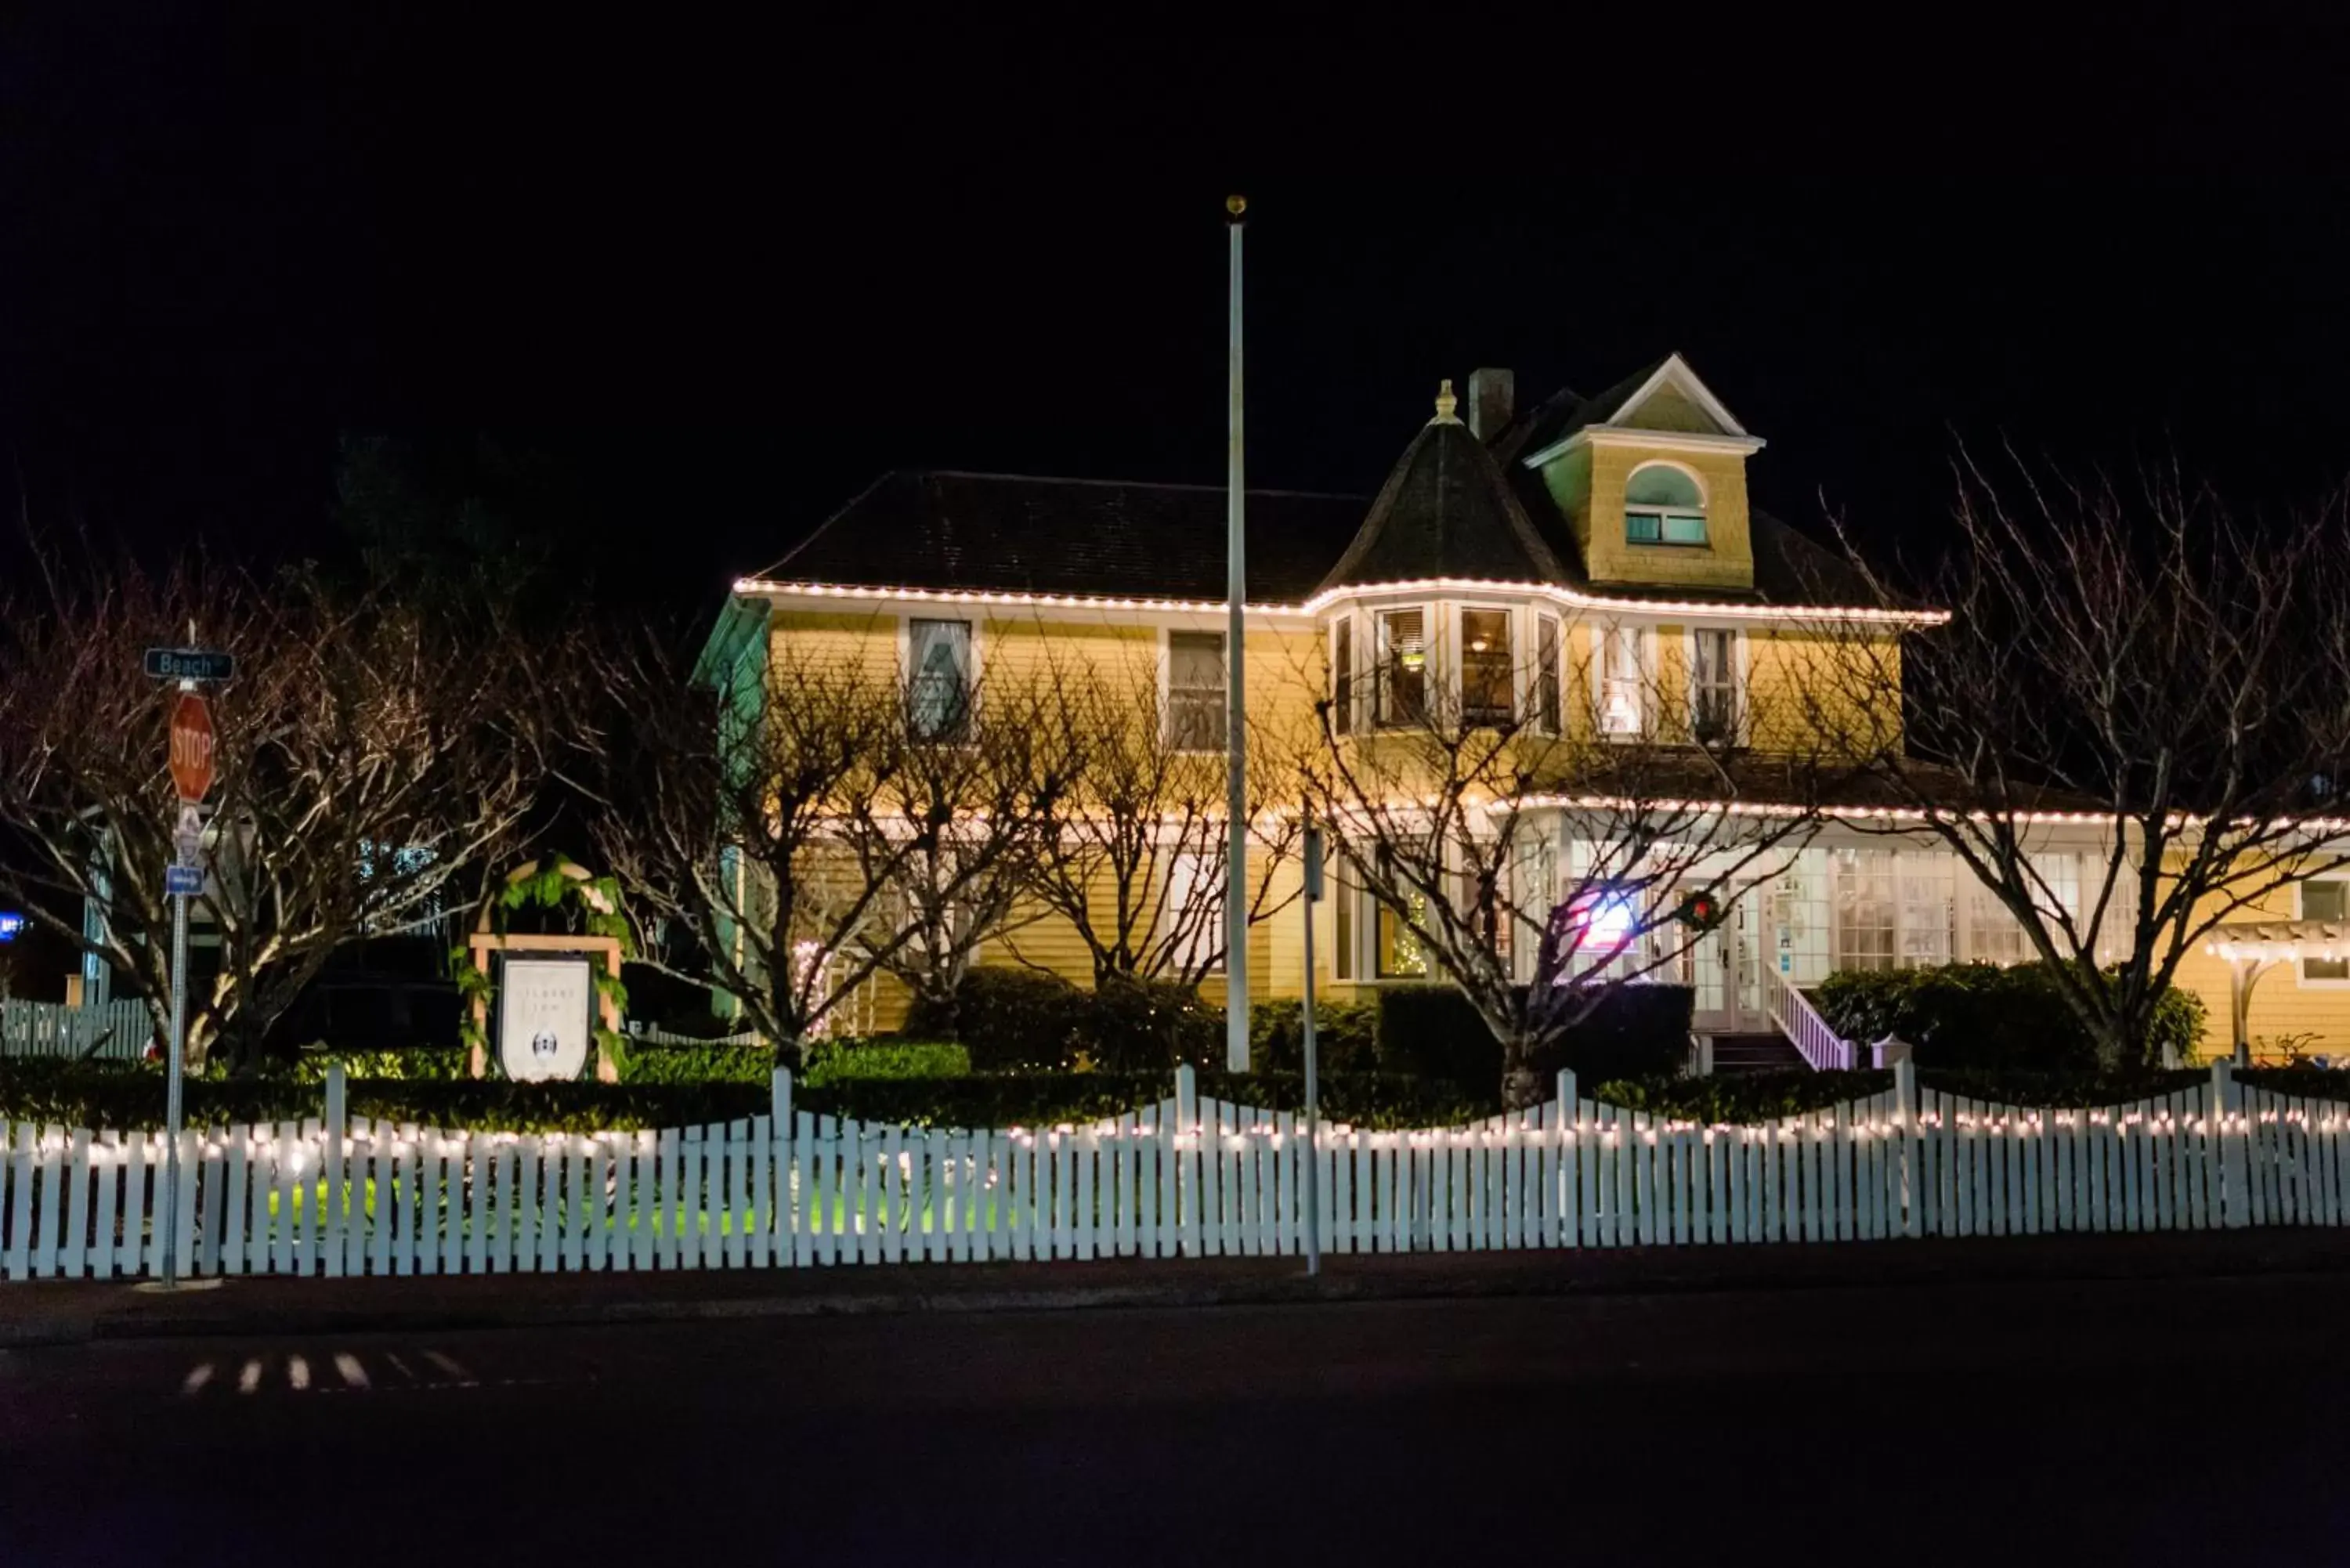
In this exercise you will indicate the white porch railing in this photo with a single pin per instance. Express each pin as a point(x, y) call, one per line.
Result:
point(1798, 1021)
point(118, 1029)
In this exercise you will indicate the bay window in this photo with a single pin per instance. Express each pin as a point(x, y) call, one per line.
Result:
point(1400, 697)
point(1486, 697)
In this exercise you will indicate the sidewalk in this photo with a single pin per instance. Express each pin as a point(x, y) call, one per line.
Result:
point(74, 1312)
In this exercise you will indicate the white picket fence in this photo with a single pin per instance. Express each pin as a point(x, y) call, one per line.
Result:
point(51, 1029)
point(1190, 1177)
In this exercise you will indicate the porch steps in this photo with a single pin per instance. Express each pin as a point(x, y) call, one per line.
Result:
point(1773, 1052)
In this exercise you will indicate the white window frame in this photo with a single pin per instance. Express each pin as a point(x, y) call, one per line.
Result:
point(1166, 636)
point(1704, 509)
point(1741, 682)
point(2301, 963)
point(1349, 713)
point(1643, 666)
point(1549, 675)
point(970, 676)
point(1430, 623)
point(1189, 866)
point(1456, 613)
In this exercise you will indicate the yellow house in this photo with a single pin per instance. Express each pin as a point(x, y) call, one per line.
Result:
point(1581, 560)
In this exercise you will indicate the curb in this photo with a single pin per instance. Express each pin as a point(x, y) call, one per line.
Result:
point(1633, 1274)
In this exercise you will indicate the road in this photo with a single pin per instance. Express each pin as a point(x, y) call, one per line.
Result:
point(2192, 1421)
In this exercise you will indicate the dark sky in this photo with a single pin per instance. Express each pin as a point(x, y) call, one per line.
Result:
point(725, 277)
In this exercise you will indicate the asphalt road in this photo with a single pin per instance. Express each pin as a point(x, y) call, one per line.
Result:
point(2196, 1421)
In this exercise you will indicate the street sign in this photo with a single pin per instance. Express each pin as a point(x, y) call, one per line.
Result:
point(187, 879)
point(191, 746)
point(11, 922)
point(190, 664)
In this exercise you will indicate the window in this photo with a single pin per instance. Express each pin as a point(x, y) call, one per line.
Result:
point(1925, 883)
point(1342, 675)
point(1485, 694)
point(1397, 953)
point(1713, 684)
point(2326, 900)
point(1662, 505)
point(1623, 699)
point(1402, 694)
point(1195, 909)
point(1342, 910)
point(1546, 703)
point(1195, 690)
point(937, 653)
point(1865, 910)
point(1993, 934)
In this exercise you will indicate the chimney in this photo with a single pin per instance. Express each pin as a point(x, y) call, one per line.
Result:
point(1492, 399)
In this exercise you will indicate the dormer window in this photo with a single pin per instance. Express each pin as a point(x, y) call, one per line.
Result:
point(1663, 505)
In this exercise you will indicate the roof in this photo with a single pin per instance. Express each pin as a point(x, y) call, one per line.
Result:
point(944, 531)
point(1446, 511)
point(1564, 412)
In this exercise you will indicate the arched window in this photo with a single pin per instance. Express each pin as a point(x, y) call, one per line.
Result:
point(1662, 505)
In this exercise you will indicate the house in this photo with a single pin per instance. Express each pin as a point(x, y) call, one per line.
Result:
point(1578, 564)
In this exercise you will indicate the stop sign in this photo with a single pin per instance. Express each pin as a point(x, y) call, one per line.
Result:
point(191, 746)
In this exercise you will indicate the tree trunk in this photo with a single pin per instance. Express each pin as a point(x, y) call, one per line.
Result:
point(1522, 1084)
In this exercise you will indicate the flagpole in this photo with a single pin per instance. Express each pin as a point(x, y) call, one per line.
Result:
point(1236, 986)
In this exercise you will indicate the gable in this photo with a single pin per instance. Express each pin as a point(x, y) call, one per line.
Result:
point(1667, 408)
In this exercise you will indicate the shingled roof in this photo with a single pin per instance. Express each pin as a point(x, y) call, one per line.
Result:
point(946, 531)
point(1446, 511)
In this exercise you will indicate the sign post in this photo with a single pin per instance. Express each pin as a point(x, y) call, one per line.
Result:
point(1313, 1066)
point(190, 759)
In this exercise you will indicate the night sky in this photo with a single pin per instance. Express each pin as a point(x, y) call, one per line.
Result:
point(721, 281)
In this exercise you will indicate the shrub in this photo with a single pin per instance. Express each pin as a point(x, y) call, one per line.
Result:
point(1006, 1018)
point(639, 1062)
point(1131, 1025)
point(833, 1062)
point(1345, 1036)
point(1434, 1031)
point(699, 1023)
point(1983, 1017)
point(1742, 1099)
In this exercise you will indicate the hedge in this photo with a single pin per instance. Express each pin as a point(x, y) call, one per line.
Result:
point(1433, 1031)
point(1738, 1098)
point(127, 1096)
point(1981, 1016)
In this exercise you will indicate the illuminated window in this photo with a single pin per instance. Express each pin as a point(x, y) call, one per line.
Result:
point(1195, 906)
point(1864, 908)
point(1396, 952)
point(1993, 934)
point(1623, 690)
point(1402, 694)
point(2326, 900)
point(1713, 684)
point(1195, 690)
point(1546, 703)
point(1342, 675)
point(1662, 505)
point(1485, 672)
point(938, 656)
point(1925, 883)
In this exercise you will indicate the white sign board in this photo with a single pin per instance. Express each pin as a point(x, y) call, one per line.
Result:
point(545, 1017)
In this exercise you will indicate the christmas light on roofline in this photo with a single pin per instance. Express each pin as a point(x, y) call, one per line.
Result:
point(1572, 599)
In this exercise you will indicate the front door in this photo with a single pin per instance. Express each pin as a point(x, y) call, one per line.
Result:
point(1723, 967)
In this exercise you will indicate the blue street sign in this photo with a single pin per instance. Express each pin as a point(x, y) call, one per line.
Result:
point(189, 880)
point(190, 664)
point(11, 922)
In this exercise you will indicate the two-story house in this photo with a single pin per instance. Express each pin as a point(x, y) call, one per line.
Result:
point(1579, 560)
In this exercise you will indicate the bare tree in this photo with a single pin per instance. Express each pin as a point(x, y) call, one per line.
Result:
point(2140, 660)
point(1539, 837)
point(369, 756)
point(823, 822)
point(1135, 858)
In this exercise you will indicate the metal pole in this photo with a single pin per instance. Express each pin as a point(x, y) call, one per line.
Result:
point(171, 1090)
point(1236, 986)
point(1313, 1077)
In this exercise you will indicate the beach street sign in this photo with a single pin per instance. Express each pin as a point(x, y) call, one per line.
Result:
point(183, 879)
point(190, 664)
